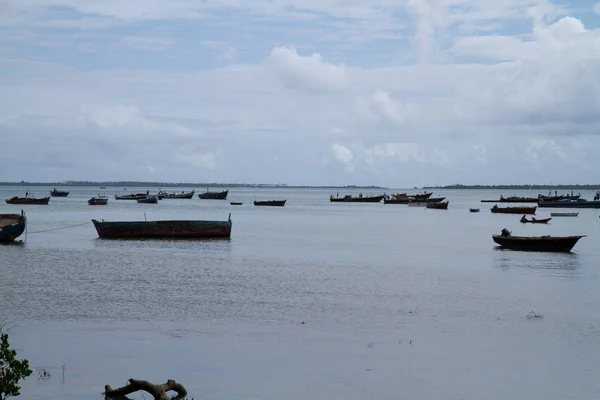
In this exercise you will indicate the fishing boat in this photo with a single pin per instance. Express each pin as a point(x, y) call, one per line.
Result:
point(213, 195)
point(533, 220)
point(512, 199)
point(12, 226)
point(28, 200)
point(513, 210)
point(270, 203)
point(132, 196)
point(59, 193)
point(173, 229)
point(474, 210)
point(558, 197)
point(358, 199)
point(98, 201)
point(406, 200)
point(564, 214)
point(164, 195)
point(422, 196)
point(442, 205)
point(236, 203)
point(579, 203)
point(536, 243)
point(148, 200)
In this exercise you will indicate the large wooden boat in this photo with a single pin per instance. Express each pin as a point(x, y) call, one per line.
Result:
point(513, 210)
point(406, 200)
point(579, 203)
point(536, 243)
point(59, 193)
point(270, 203)
point(534, 221)
point(175, 229)
point(28, 200)
point(214, 195)
point(165, 195)
point(558, 197)
point(358, 199)
point(98, 201)
point(12, 226)
point(442, 205)
point(132, 196)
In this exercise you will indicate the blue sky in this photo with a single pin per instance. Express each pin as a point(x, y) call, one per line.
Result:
point(404, 93)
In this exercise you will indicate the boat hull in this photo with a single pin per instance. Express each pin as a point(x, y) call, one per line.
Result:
point(270, 203)
point(569, 204)
point(438, 206)
point(535, 221)
point(98, 201)
point(564, 214)
point(409, 199)
point(514, 210)
point(371, 199)
point(214, 195)
point(11, 227)
point(177, 229)
point(164, 195)
point(59, 193)
point(148, 200)
point(136, 196)
point(28, 200)
point(537, 243)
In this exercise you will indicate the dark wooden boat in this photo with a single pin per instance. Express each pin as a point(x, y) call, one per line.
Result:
point(148, 200)
point(407, 200)
point(98, 201)
point(176, 229)
point(558, 197)
point(59, 193)
point(132, 196)
point(564, 214)
point(579, 203)
point(442, 205)
point(536, 243)
point(270, 203)
point(513, 210)
point(474, 210)
point(214, 195)
point(534, 221)
point(358, 199)
point(512, 199)
point(422, 196)
point(182, 195)
point(236, 203)
point(28, 200)
point(12, 226)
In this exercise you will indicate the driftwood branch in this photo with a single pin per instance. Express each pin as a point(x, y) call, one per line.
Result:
point(158, 391)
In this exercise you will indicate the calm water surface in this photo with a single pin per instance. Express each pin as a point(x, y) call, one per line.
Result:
point(312, 301)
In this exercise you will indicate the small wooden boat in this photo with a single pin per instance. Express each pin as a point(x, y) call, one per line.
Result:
point(213, 195)
point(474, 210)
point(442, 205)
point(98, 201)
point(148, 200)
point(534, 221)
point(564, 214)
point(236, 203)
point(164, 195)
point(513, 210)
point(406, 200)
point(536, 243)
point(28, 200)
point(176, 229)
point(12, 226)
point(270, 203)
point(59, 193)
point(133, 196)
point(358, 199)
point(579, 203)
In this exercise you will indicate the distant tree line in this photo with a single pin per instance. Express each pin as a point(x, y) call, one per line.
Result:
point(178, 184)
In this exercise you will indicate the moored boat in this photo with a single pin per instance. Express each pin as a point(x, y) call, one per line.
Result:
point(513, 210)
point(236, 203)
point(417, 203)
point(474, 210)
point(579, 203)
point(132, 196)
point(536, 243)
point(358, 199)
point(214, 195)
point(98, 201)
point(564, 214)
point(59, 193)
point(442, 205)
point(406, 200)
point(270, 203)
point(512, 199)
point(28, 200)
point(148, 200)
point(165, 195)
point(533, 220)
point(173, 229)
point(12, 226)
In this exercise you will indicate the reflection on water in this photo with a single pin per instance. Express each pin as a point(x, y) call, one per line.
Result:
point(567, 264)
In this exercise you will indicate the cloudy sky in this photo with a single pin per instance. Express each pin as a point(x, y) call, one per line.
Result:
point(398, 93)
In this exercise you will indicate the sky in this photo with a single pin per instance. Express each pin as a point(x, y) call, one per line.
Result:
point(398, 93)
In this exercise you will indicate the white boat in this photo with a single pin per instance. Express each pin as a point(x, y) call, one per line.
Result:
point(564, 214)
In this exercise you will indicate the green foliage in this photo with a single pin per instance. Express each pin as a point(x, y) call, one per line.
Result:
point(12, 370)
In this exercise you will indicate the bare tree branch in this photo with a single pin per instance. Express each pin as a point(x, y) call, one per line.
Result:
point(158, 391)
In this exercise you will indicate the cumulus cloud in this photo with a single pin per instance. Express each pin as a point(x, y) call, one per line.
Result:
point(342, 154)
point(381, 107)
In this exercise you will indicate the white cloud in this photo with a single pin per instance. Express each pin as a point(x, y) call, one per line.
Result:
point(343, 154)
point(380, 107)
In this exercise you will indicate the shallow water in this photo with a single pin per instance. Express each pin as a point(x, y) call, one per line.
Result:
point(225, 318)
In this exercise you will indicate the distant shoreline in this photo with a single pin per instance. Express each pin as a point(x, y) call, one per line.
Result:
point(182, 184)
point(519, 187)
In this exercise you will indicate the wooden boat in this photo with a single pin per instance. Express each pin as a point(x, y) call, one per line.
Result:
point(535, 221)
point(214, 195)
point(358, 199)
point(442, 205)
point(536, 243)
point(236, 203)
point(513, 210)
point(474, 209)
point(12, 226)
point(175, 229)
point(98, 201)
point(59, 193)
point(164, 195)
point(558, 197)
point(28, 200)
point(407, 200)
point(132, 196)
point(422, 196)
point(579, 203)
point(512, 199)
point(270, 203)
point(564, 214)
point(148, 200)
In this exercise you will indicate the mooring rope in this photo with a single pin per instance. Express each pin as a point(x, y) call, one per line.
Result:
point(55, 229)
